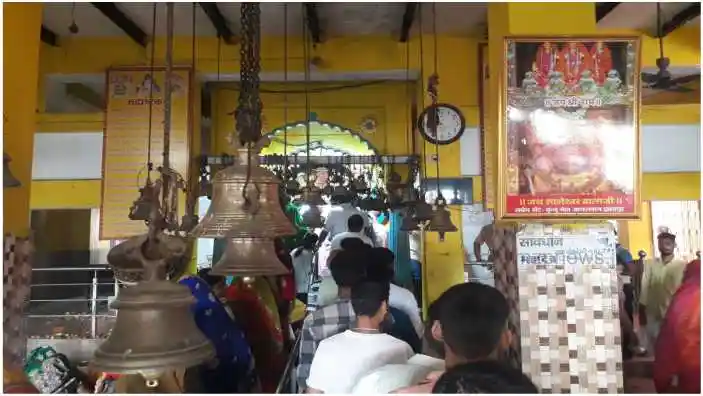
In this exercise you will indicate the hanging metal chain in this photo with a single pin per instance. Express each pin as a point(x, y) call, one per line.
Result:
point(248, 113)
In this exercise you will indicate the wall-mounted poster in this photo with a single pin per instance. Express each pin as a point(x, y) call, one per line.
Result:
point(134, 117)
point(569, 145)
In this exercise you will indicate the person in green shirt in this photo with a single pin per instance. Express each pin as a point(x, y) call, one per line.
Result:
point(661, 278)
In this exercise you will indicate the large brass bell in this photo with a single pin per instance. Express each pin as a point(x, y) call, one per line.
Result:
point(312, 217)
point(441, 221)
point(154, 332)
point(124, 259)
point(249, 257)
point(8, 179)
point(256, 213)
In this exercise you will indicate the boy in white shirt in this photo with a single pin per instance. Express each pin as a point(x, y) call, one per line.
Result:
point(343, 359)
point(355, 229)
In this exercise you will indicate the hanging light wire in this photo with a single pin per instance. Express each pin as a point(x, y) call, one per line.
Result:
point(422, 86)
point(306, 60)
point(191, 197)
point(149, 164)
point(285, 95)
point(435, 125)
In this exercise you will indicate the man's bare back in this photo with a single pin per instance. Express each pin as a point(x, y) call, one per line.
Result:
point(484, 236)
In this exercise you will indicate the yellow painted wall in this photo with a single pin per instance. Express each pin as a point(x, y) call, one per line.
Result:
point(21, 25)
point(458, 69)
point(637, 235)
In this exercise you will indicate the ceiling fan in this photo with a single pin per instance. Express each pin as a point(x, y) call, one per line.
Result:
point(662, 80)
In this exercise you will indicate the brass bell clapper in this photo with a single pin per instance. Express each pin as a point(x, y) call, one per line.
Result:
point(154, 331)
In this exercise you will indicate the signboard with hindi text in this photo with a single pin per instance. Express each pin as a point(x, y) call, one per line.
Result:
point(569, 145)
point(135, 101)
point(566, 250)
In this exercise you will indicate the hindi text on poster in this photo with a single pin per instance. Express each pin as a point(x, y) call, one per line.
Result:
point(571, 204)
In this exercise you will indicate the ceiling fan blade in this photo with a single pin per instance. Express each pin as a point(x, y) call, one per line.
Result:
point(678, 88)
point(650, 78)
point(686, 79)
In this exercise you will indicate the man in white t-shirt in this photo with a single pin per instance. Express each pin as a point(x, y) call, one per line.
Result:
point(336, 221)
point(355, 229)
point(342, 360)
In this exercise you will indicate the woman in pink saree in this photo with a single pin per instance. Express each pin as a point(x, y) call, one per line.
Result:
point(677, 358)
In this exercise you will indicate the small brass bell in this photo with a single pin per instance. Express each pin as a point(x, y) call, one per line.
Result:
point(249, 257)
point(154, 332)
point(312, 217)
point(127, 266)
point(423, 211)
point(441, 221)
point(188, 222)
point(327, 190)
point(292, 187)
point(340, 192)
point(255, 214)
point(359, 184)
point(141, 208)
point(8, 179)
point(409, 223)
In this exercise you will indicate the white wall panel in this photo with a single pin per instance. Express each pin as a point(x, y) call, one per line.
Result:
point(470, 143)
point(671, 148)
point(67, 156)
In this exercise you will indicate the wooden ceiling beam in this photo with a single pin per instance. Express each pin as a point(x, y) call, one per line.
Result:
point(219, 22)
point(408, 19)
point(313, 21)
point(603, 9)
point(683, 17)
point(122, 21)
point(49, 37)
point(85, 94)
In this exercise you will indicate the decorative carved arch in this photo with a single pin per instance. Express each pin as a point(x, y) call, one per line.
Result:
point(327, 135)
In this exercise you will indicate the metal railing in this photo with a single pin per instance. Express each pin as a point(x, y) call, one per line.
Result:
point(288, 376)
point(71, 302)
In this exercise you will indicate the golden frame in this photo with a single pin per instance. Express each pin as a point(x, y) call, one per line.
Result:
point(502, 154)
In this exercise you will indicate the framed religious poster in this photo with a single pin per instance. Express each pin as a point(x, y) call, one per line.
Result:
point(569, 144)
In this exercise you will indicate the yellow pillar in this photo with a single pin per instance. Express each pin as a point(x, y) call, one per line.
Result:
point(21, 29)
point(525, 19)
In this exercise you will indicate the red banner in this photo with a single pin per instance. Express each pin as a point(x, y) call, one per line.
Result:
point(570, 204)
